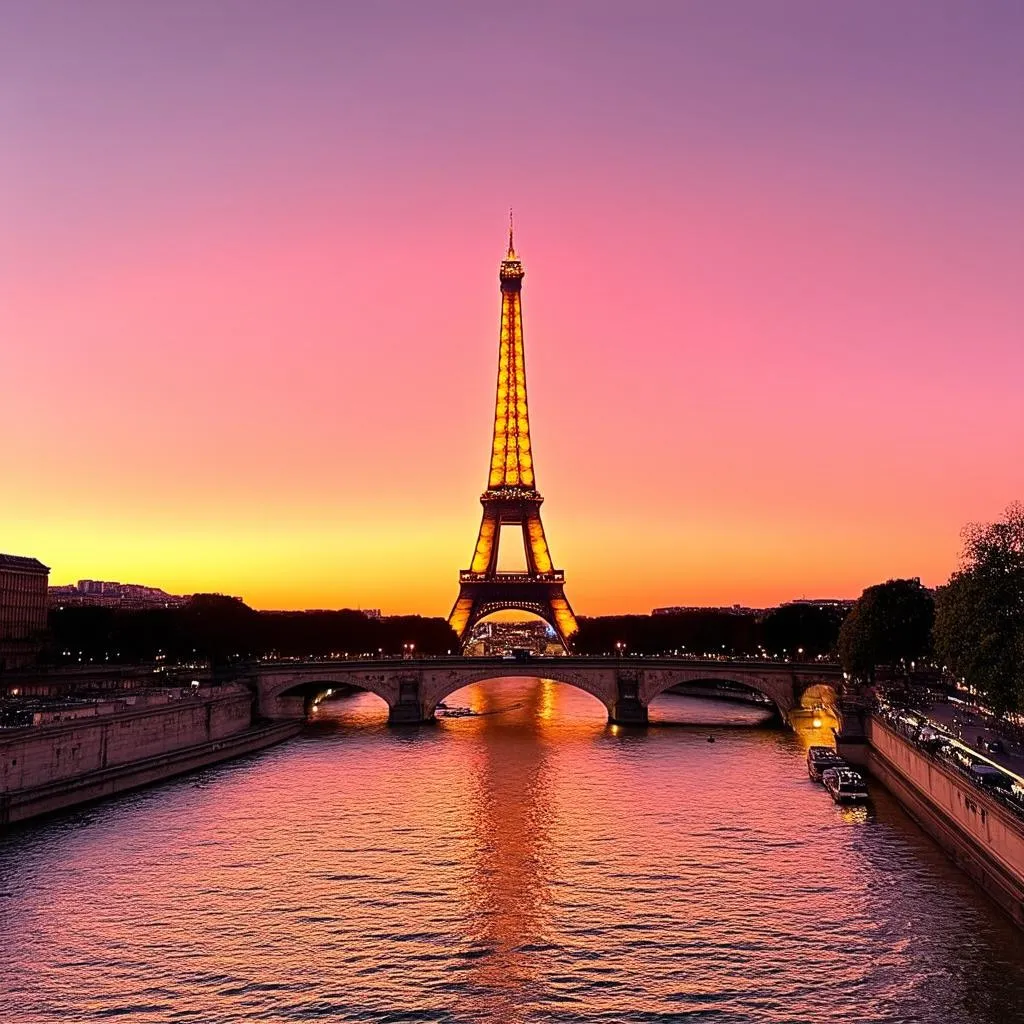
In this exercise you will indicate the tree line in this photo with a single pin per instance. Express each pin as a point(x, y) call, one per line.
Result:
point(216, 628)
point(223, 629)
point(973, 627)
point(797, 631)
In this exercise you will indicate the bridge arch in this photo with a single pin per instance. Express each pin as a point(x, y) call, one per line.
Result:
point(822, 691)
point(316, 691)
point(288, 694)
point(779, 690)
point(439, 685)
point(824, 695)
point(717, 688)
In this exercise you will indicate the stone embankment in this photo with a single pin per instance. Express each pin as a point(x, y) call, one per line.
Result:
point(92, 749)
point(978, 830)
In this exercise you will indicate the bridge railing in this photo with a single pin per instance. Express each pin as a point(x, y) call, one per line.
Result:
point(825, 669)
point(944, 748)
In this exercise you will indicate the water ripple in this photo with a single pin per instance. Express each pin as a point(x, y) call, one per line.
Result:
point(526, 865)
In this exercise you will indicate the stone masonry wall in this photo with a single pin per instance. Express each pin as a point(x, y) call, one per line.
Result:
point(40, 755)
point(993, 829)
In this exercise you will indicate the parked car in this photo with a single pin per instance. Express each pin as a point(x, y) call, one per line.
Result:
point(991, 778)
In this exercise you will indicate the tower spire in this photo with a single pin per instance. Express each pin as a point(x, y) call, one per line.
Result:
point(511, 247)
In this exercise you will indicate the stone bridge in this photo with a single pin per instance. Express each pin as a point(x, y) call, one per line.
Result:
point(412, 689)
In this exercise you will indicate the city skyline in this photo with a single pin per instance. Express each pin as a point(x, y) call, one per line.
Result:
point(249, 287)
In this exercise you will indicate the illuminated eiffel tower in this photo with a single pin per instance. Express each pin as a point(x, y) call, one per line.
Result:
point(511, 497)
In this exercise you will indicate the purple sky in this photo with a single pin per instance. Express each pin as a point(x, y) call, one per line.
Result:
point(248, 294)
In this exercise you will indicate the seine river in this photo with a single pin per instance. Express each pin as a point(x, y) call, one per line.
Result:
point(526, 864)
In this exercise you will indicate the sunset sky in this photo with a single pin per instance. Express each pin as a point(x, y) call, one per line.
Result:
point(774, 294)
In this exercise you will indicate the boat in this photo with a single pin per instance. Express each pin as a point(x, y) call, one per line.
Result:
point(449, 712)
point(845, 785)
point(821, 758)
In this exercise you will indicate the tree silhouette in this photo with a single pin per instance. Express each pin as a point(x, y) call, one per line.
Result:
point(979, 622)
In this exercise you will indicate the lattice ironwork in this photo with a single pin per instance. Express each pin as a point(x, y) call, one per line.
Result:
point(511, 497)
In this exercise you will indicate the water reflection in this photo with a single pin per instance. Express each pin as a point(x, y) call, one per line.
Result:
point(509, 820)
point(527, 863)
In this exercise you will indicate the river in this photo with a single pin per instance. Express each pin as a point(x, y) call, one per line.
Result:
point(525, 864)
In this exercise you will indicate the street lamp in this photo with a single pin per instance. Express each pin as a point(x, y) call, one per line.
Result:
point(620, 647)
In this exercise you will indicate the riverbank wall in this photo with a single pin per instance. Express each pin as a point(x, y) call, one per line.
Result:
point(981, 835)
point(92, 751)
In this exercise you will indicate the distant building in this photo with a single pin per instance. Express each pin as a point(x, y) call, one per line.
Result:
point(732, 609)
point(370, 613)
point(22, 609)
point(108, 594)
point(493, 639)
point(841, 604)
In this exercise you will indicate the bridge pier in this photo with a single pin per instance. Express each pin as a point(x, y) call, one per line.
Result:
point(408, 708)
point(628, 713)
point(406, 714)
point(627, 709)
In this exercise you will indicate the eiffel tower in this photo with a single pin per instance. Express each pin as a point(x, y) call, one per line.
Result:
point(511, 497)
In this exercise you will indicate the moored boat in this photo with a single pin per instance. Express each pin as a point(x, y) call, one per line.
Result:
point(845, 785)
point(820, 759)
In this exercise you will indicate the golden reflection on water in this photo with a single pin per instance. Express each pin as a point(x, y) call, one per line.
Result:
point(527, 863)
point(809, 734)
point(509, 818)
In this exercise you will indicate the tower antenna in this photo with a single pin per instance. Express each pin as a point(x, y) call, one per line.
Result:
point(511, 248)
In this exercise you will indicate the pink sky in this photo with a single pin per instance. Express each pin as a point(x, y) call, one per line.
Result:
point(249, 305)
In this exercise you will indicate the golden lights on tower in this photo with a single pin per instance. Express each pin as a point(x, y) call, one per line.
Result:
point(511, 457)
point(511, 498)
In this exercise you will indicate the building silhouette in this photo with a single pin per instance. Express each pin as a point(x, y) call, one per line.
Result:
point(22, 609)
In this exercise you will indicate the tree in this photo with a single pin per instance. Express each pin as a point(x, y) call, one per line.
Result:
point(979, 621)
point(792, 628)
point(222, 629)
point(891, 624)
point(696, 632)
